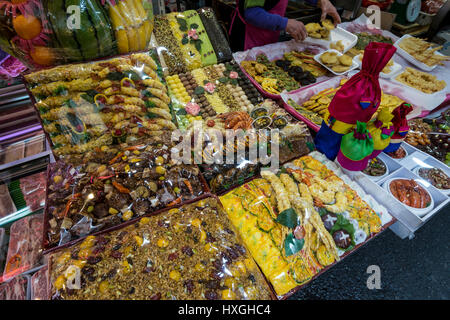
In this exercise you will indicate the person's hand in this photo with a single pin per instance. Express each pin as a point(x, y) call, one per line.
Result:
point(296, 29)
point(329, 9)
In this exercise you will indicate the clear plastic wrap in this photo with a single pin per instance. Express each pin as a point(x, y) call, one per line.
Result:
point(25, 245)
point(7, 205)
point(190, 252)
point(39, 284)
point(184, 41)
point(300, 221)
point(204, 93)
point(107, 187)
point(44, 33)
point(16, 289)
point(33, 190)
point(102, 103)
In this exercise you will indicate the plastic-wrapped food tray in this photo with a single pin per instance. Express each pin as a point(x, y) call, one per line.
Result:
point(78, 104)
point(39, 284)
point(165, 261)
point(266, 250)
point(125, 195)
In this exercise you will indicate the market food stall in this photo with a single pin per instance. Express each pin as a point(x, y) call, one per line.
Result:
point(94, 192)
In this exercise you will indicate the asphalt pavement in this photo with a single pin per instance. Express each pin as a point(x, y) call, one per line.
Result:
point(410, 269)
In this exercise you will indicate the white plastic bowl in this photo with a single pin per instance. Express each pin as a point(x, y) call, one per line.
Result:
point(377, 178)
point(400, 159)
point(416, 211)
point(416, 172)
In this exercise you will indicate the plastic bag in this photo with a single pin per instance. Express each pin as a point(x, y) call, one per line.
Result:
point(106, 187)
point(102, 103)
point(51, 32)
point(184, 41)
point(16, 289)
point(25, 250)
point(356, 148)
point(190, 252)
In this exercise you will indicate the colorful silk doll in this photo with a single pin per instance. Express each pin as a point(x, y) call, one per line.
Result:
point(357, 100)
point(356, 148)
point(381, 129)
point(401, 127)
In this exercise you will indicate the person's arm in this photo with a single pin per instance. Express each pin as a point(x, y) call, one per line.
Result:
point(260, 18)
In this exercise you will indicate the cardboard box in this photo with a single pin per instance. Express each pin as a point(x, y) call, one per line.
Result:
point(386, 19)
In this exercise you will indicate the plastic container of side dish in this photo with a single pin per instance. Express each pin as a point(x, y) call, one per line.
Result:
point(410, 58)
point(418, 211)
point(18, 288)
point(377, 178)
point(352, 67)
point(348, 39)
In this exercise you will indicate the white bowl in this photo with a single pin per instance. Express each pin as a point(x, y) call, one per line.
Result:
point(419, 212)
point(377, 178)
point(416, 172)
point(400, 159)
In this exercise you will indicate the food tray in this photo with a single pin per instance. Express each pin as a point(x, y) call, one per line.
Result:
point(304, 94)
point(410, 58)
point(45, 243)
point(34, 100)
point(387, 221)
point(395, 69)
point(434, 95)
point(273, 52)
point(128, 223)
point(348, 39)
point(352, 67)
point(415, 157)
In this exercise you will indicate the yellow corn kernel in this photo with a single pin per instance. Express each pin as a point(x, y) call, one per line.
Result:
point(159, 160)
point(127, 168)
point(249, 264)
point(175, 275)
point(104, 148)
point(59, 282)
point(160, 170)
point(84, 253)
point(63, 258)
point(127, 215)
point(161, 178)
point(210, 247)
point(162, 243)
point(136, 152)
point(196, 222)
point(230, 283)
point(103, 286)
point(113, 211)
point(228, 294)
point(200, 204)
point(88, 242)
point(199, 267)
point(202, 236)
point(174, 211)
point(124, 158)
point(139, 240)
point(79, 263)
point(144, 220)
point(134, 160)
point(57, 179)
point(127, 251)
point(241, 267)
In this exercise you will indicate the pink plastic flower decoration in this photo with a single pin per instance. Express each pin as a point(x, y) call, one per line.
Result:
point(210, 87)
point(193, 34)
point(192, 108)
point(233, 75)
